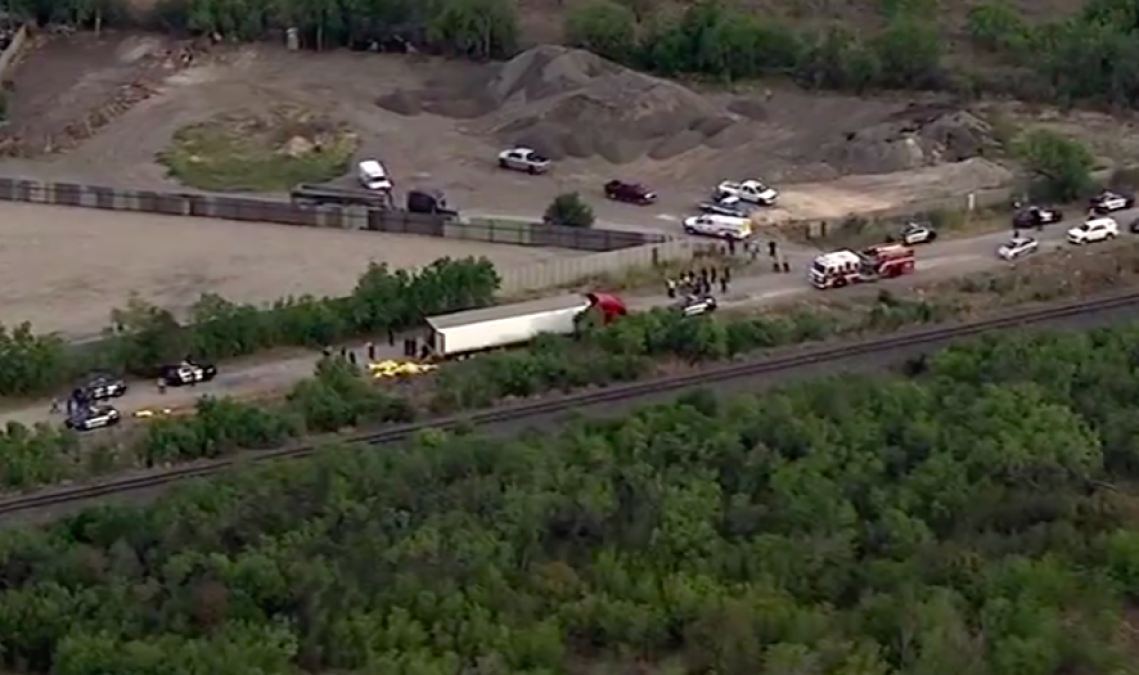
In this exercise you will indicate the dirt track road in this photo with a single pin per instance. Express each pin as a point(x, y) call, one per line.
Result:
point(940, 260)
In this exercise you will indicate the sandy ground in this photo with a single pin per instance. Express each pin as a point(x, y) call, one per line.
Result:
point(450, 154)
point(65, 269)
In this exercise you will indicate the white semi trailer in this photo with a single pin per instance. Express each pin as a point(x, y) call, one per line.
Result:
point(506, 325)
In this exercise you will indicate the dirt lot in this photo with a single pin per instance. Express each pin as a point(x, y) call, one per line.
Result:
point(64, 269)
point(606, 121)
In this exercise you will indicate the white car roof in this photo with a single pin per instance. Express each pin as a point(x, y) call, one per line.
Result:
point(838, 258)
point(373, 168)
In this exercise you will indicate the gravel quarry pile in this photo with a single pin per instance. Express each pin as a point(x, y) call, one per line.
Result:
point(912, 139)
point(571, 103)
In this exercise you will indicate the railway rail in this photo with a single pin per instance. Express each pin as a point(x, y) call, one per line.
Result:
point(891, 347)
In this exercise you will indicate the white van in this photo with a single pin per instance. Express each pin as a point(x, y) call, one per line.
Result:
point(373, 175)
point(713, 225)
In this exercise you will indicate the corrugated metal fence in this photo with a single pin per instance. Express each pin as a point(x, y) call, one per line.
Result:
point(347, 217)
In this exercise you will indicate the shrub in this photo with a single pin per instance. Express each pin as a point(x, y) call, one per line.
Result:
point(997, 26)
point(570, 210)
point(603, 27)
point(1061, 166)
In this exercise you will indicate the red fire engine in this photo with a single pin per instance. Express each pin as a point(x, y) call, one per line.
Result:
point(840, 268)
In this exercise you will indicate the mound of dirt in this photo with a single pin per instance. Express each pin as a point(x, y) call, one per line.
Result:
point(910, 140)
point(676, 145)
point(751, 108)
point(730, 137)
point(555, 97)
point(401, 102)
point(545, 139)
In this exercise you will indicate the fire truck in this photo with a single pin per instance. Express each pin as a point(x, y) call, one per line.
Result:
point(842, 268)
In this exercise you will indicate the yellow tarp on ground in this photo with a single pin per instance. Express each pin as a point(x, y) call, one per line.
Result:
point(390, 368)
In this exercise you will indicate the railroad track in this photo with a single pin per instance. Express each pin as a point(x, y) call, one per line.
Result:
point(534, 410)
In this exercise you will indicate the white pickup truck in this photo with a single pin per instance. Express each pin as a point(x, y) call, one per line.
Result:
point(752, 191)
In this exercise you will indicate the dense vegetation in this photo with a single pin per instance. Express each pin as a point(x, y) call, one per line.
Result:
point(339, 396)
point(1092, 55)
point(976, 519)
point(143, 337)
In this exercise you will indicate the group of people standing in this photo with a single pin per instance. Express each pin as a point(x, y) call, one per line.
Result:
point(700, 282)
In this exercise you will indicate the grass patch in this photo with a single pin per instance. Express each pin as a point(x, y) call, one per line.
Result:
point(270, 152)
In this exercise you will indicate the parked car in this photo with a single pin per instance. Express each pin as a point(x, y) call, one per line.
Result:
point(1096, 229)
point(93, 417)
point(634, 193)
point(523, 159)
point(750, 190)
point(429, 201)
point(1036, 216)
point(729, 206)
point(373, 175)
point(1018, 247)
point(1110, 201)
point(188, 372)
point(99, 386)
point(725, 227)
point(695, 305)
point(917, 233)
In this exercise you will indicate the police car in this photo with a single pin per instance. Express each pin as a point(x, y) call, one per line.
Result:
point(1018, 247)
point(188, 372)
point(100, 386)
point(695, 305)
point(1109, 201)
point(93, 417)
point(918, 233)
point(1036, 216)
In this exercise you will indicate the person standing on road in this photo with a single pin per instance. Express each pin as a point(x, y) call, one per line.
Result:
point(670, 285)
point(55, 406)
point(161, 385)
point(772, 249)
point(723, 285)
point(372, 349)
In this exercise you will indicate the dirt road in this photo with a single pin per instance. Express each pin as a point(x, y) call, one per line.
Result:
point(939, 260)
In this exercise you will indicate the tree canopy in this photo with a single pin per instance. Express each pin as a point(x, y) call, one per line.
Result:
point(974, 516)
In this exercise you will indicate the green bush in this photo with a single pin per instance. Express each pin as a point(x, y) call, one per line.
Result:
point(997, 26)
point(142, 337)
point(909, 54)
point(603, 27)
point(1061, 166)
point(569, 210)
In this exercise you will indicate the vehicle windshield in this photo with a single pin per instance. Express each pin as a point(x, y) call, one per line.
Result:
point(818, 268)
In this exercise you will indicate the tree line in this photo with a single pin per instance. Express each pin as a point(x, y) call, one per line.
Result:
point(144, 337)
point(971, 516)
point(1090, 56)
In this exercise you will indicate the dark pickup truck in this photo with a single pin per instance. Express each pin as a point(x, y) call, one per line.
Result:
point(633, 193)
